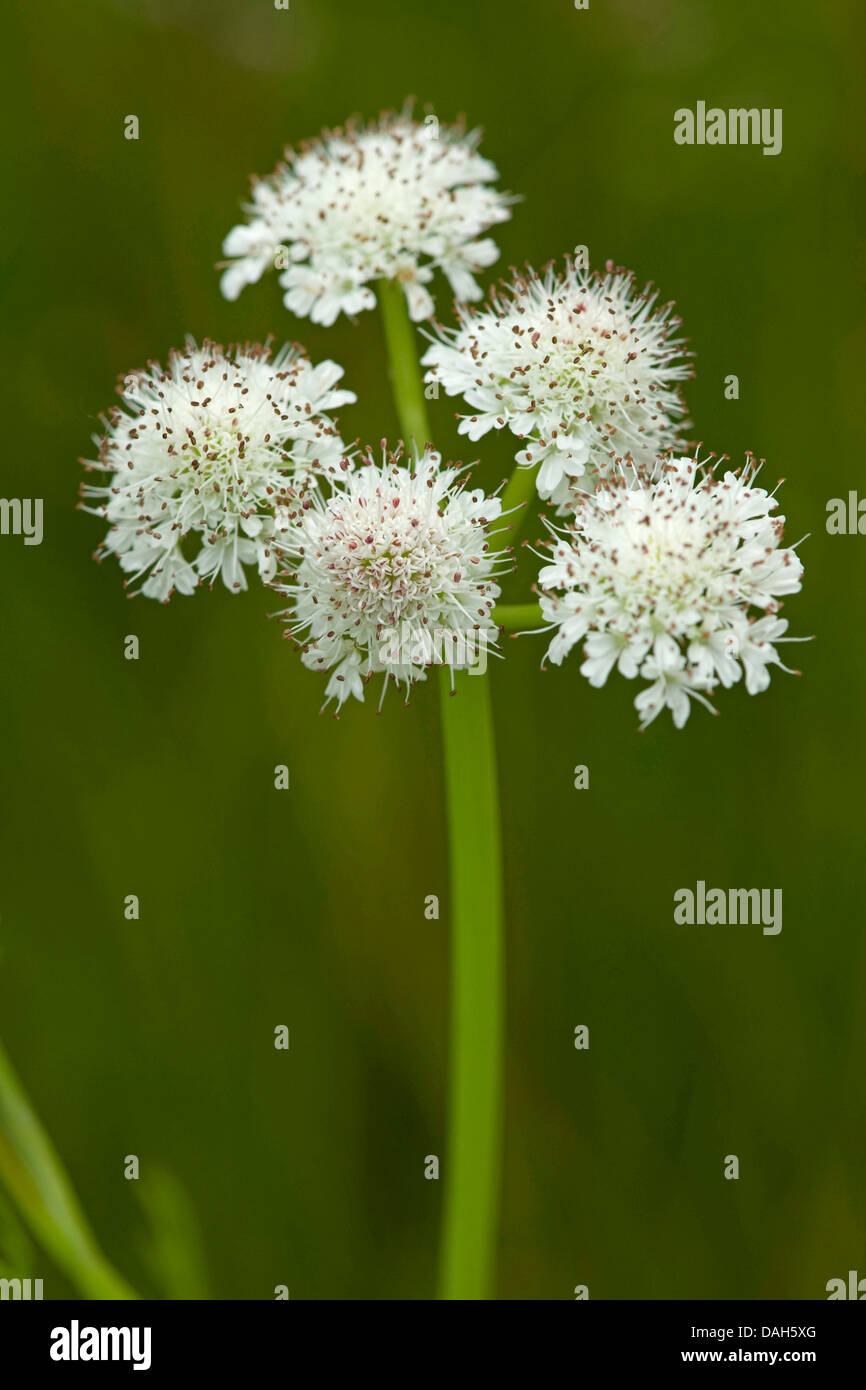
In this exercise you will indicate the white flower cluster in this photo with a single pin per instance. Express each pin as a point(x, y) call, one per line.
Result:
point(230, 458)
point(393, 573)
point(580, 365)
point(201, 453)
point(660, 573)
point(394, 200)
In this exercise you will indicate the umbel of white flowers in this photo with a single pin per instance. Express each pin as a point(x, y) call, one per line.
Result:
point(229, 458)
point(200, 453)
point(394, 572)
point(664, 572)
point(393, 200)
point(578, 364)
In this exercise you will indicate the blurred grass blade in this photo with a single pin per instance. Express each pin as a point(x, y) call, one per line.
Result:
point(175, 1251)
point(34, 1178)
point(17, 1252)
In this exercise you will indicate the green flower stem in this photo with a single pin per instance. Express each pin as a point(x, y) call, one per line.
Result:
point(516, 617)
point(473, 1153)
point(473, 1156)
point(34, 1178)
point(406, 381)
point(519, 492)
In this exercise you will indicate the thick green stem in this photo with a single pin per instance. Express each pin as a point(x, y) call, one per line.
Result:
point(473, 1153)
point(404, 367)
point(34, 1177)
point(473, 1157)
point(516, 617)
point(519, 492)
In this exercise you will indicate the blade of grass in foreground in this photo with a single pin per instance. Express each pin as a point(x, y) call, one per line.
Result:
point(174, 1250)
point(32, 1174)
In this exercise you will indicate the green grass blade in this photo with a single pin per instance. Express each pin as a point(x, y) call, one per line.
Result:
point(33, 1176)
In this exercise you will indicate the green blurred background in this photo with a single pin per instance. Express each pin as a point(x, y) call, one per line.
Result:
point(306, 908)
